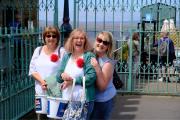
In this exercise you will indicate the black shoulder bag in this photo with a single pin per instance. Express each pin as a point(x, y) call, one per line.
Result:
point(117, 81)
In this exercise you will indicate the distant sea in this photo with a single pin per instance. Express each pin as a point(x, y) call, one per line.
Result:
point(92, 30)
point(120, 32)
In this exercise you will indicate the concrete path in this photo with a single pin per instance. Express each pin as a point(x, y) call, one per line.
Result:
point(140, 107)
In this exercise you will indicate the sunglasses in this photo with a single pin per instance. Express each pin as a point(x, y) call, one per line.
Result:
point(99, 40)
point(53, 36)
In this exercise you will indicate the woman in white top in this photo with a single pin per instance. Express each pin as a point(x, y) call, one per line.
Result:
point(46, 59)
point(76, 65)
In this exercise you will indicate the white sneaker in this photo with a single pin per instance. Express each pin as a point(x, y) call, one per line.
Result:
point(161, 79)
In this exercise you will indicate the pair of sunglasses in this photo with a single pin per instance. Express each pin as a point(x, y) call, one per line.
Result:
point(99, 40)
point(53, 36)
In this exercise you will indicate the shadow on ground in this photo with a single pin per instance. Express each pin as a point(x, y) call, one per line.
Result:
point(139, 107)
point(125, 106)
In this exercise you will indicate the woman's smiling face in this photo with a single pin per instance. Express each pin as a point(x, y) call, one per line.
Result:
point(101, 44)
point(51, 39)
point(78, 42)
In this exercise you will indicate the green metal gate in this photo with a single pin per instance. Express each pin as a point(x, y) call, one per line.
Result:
point(20, 33)
point(123, 18)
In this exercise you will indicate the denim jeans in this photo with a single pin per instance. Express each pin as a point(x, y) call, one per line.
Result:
point(90, 109)
point(102, 110)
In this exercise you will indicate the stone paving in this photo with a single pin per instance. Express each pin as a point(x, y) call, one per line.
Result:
point(140, 107)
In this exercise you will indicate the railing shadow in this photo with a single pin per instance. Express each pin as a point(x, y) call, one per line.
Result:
point(125, 107)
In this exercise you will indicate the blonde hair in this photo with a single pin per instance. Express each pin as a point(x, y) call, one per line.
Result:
point(109, 38)
point(69, 44)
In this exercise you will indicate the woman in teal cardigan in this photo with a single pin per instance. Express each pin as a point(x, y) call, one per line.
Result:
point(76, 64)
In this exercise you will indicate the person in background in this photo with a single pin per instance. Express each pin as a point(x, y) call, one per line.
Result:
point(75, 65)
point(147, 44)
point(166, 54)
point(46, 59)
point(18, 42)
point(16, 22)
point(104, 66)
point(135, 52)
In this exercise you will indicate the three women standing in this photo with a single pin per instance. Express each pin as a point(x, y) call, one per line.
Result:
point(77, 63)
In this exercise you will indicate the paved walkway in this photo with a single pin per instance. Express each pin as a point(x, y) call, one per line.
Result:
point(140, 107)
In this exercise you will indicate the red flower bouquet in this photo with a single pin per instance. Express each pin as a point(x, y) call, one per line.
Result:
point(54, 58)
point(80, 62)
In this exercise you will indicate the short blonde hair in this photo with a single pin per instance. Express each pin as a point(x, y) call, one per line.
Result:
point(51, 29)
point(109, 38)
point(69, 43)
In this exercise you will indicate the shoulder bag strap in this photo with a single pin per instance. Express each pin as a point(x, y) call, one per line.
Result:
point(40, 49)
point(73, 85)
point(84, 93)
point(59, 52)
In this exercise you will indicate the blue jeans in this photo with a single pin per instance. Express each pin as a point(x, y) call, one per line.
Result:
point(90, 109)
point(102, 110)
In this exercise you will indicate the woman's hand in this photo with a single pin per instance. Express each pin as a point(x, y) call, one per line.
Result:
point(67, 80)
point(43, 85)
point(94, 62)
point(42, 82)
point(65, 84)
point(66, 77)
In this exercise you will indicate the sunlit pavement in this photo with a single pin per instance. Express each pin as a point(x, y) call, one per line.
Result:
point(142, 107)
point(139, 107)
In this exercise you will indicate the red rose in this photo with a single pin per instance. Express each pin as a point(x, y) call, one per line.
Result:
point(54, 58)
point(80, 62)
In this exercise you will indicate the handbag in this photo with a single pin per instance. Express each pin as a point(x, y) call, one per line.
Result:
point(117, 81)
point(76, 110)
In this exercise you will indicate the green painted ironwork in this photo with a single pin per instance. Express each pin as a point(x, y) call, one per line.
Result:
point(56, 13)
point(17, 43)
point(123, 18)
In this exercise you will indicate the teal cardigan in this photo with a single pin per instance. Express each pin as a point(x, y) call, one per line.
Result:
point(89, 72)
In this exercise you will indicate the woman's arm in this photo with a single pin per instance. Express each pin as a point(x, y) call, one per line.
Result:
point(61, 76)
point(32, 68)
point(104, 74)
point(32, 65)
point(37, 77)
